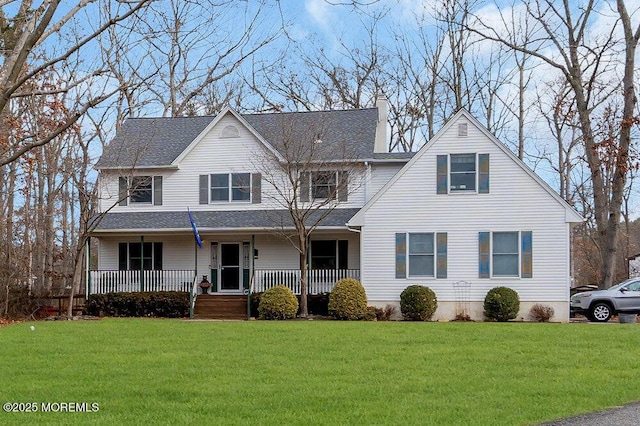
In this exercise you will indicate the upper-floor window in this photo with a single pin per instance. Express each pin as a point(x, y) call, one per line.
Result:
point(231, 187)
point(141, 190)
point(324, 185)
point(459, 173)
point(463, 172)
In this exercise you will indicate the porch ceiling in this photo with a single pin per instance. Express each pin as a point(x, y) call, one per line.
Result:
point(177, 221)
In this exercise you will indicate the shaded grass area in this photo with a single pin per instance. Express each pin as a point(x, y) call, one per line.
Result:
point(143, 371)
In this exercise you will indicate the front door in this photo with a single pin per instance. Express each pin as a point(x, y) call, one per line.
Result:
point(230, 278)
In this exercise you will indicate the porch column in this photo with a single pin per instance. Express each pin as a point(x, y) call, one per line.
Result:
point(87, 266)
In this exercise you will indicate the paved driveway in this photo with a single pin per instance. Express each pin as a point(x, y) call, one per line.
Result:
point(627, 415)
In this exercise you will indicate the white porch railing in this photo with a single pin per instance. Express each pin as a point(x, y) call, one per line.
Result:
point(168, 280)
point(318, 280)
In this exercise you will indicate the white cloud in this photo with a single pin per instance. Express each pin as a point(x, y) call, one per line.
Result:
point(320, 12)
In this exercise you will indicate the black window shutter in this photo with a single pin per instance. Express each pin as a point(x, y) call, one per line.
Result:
point(343, 256)
point(343, 186)
point(204, 189)
point(157, 190)
point(157, 256)
point(123, 190)
point(256, 189)
point(304, 186)
point(122, 256)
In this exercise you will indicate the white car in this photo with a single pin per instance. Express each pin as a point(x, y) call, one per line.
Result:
point(600, 305)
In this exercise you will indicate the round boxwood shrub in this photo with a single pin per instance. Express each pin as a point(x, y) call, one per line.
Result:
point(418, 303)
point(348, 300)
point(278, 303)
point(501, 304)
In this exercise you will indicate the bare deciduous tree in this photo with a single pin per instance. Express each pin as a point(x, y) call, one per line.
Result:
point(307, 178)
point(563, 42)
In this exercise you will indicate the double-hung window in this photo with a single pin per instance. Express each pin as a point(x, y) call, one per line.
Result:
point(329, 254)
point(421, 255)
point(136, 256)
point(323, 185)
point(505, 254)
point(231, 187)
point(140, 190)
point(463, 172)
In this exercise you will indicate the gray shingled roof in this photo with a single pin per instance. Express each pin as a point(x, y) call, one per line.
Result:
point(212, 220)
point(144, 142)
point(149, 142)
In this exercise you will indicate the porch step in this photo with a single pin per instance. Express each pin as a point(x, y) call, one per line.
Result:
point(209, 306)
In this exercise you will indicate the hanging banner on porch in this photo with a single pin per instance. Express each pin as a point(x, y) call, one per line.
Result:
point(195, 229)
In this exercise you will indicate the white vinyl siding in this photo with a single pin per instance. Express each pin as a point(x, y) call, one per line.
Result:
point(217, 155)
point(516, 202)
point(381, 173)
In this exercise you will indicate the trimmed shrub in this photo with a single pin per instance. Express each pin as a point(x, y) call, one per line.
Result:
point(501, 304)
point(418, 303)
point(278, 303)
point(164, 304)
point(541, 313)
point(318, 304)
point(348, 300)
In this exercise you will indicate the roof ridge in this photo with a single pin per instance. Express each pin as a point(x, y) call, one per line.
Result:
point(186, 117)
point(311, 112)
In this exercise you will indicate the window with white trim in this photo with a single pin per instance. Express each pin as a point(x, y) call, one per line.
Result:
point(230, 187)
point(506, 254)
point(329, 254)
point(133, 256)
point(141, 191)
point(323, 185)
point(463, 172)
point(421, 255)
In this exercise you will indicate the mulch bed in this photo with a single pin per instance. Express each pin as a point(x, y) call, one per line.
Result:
point(4, 321)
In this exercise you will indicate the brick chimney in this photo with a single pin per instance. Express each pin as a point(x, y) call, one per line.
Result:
point(381, 129)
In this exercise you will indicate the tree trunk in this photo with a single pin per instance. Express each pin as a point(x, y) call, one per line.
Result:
point(304, 310)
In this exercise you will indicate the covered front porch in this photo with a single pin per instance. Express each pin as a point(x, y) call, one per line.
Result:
point(318, 281)
point(233, 263)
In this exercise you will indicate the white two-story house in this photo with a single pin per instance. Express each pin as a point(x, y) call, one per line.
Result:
point(463, 209)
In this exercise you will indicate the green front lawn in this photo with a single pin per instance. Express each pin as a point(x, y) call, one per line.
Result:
point(145, 372)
